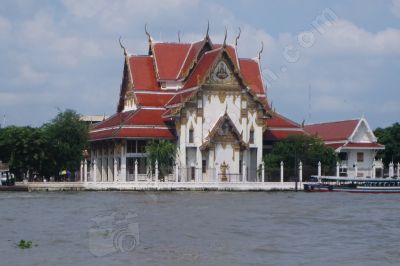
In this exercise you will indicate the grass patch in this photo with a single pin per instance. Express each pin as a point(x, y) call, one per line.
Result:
point(23, 244)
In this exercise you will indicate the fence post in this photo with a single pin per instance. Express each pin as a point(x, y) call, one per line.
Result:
point(355, 169)
point(85, 171)
point(337, 169)
point(373, 174)
point(81, 172)
point(301, 172)
point(281, 171)
point(262, 171)
point(94, 170)
point(244, 172)
point(156, 172)
point(135, 178)
point(216, 174)
point(176, 172)
point(116, 177)
point(391, 170)
point(398, 170)
point(319, 169)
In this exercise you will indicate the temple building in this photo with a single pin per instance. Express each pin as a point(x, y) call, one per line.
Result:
point(355, 143)
point(202, 96)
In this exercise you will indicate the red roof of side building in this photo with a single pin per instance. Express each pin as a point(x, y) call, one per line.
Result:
point(280, 127)
point(333, 131)
point(372, 145)
point(169, 58)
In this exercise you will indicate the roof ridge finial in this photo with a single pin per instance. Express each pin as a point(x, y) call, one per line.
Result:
point(147, 33)
point(238, 36)
point(226, 109)
point(123, 47)
point(179, 36)
point(226, 34)
point(261, 50)
point(208, 28)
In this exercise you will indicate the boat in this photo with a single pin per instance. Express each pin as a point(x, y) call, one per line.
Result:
point(355, 185)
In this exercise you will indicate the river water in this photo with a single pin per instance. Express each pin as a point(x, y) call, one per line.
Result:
point(200, 228)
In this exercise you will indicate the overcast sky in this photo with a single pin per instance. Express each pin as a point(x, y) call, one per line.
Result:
point(322, 60)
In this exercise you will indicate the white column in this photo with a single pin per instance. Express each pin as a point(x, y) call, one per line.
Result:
point(115, 175)
point(262, 171)
point(281, 171)
point(85, 173)
point(244, 172)
point(391, 169)
point(301, 172)
point(216, 174)
point(176, 172)
point(355, 170)
point(319, 169)
point(136, 172)
point(337, 169)
point(81, 171)
point(373, 169)
point(398, 170)
point(156, 172)
point(123, 163)
point(94, 178)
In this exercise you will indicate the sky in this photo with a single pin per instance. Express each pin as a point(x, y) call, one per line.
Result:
point(322, 60)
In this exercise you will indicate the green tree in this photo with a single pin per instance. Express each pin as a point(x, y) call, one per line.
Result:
point(164, 152)
point(307, 149)
point(67, 138)
point(390, 137)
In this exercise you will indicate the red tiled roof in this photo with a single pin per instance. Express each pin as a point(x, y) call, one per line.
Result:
point(169, 58)
point(364, 145)
point(113, 121)
point(149, 99)
point(145, 133)
point(279, 121)
point(251, 73)
point(201, 68)
point(143, 74)
point(139, 123)
point(335, 145)
point(332, 131)
point(190, 57)
point(276, 135)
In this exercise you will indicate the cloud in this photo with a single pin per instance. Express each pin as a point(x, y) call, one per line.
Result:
point(396, 7)
point(28, 75)
point(118, 14)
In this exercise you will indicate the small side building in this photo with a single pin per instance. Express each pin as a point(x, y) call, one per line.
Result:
point(355, 143)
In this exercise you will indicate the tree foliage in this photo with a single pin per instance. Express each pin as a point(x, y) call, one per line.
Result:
point(164, 152)
point(390, 137)
point(46, 150)
point(307, 149)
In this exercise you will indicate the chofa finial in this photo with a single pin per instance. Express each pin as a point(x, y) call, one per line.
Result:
point(147, 33)
point(179, 36)
point(208, 28)
point(261, 50)
point(123, 47)
point(226, 34)
point(238, 36)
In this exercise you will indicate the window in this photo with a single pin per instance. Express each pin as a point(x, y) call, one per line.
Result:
point(204, 166)
point(360, 157)
point(251, 138)
point(240, 167)
point(343, 156)
point(136, 146)
point(191, 133)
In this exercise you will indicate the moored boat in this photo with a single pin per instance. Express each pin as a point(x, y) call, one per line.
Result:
point(345, 184)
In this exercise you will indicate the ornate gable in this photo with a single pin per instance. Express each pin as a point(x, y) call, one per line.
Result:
point(224, 132)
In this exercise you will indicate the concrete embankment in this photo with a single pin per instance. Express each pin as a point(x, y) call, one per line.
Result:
point(154, 186)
